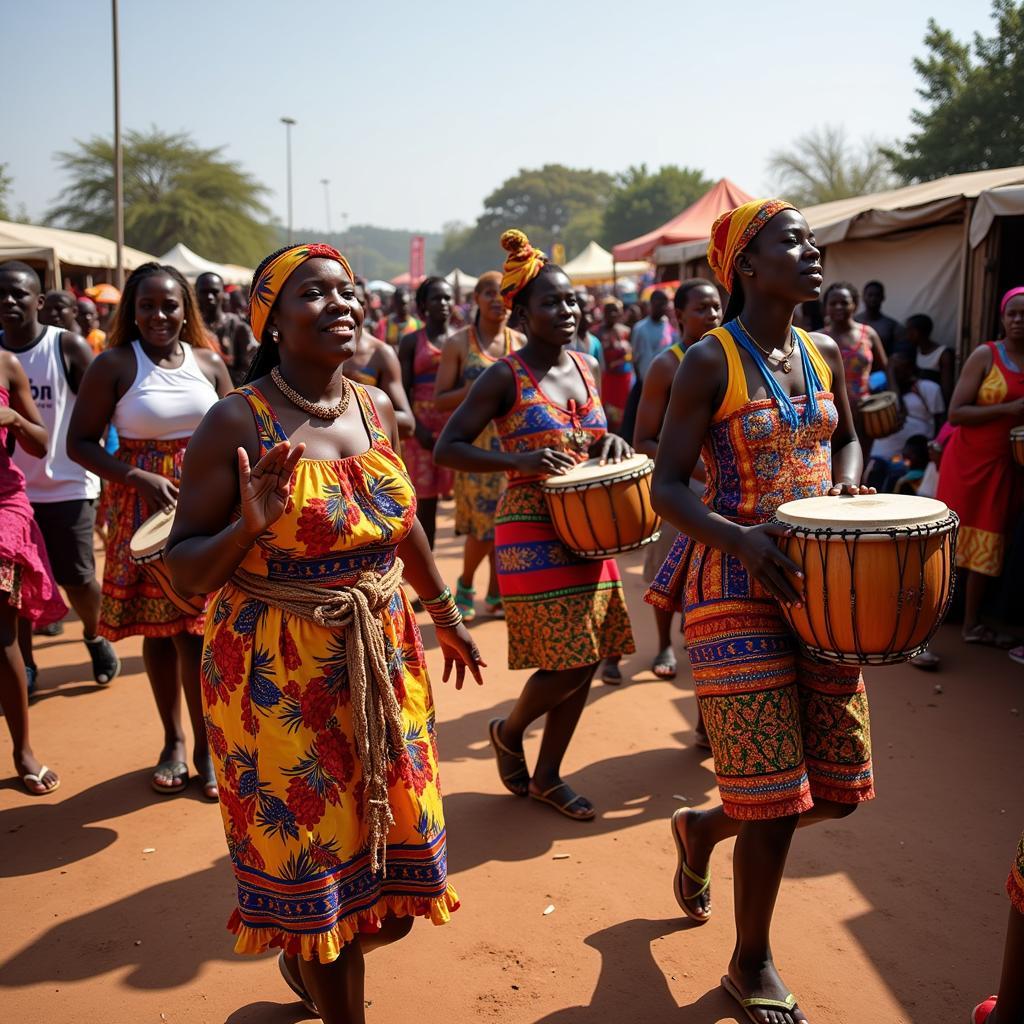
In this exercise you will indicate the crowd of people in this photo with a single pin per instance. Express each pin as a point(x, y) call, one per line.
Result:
point(298, 454)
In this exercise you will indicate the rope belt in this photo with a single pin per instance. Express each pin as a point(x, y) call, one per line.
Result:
point(376, 714)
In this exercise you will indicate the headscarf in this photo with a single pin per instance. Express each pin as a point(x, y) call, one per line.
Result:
point(735, 230)
point(1011, 294)
point(273, 276)
point(523, 264)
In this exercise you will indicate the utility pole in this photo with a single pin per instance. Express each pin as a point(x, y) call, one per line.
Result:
point(327, 200)
point(118, 161)
point(288, 122)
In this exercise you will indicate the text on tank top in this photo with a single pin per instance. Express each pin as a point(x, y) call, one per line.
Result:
point(163, 404)
point(54, 477)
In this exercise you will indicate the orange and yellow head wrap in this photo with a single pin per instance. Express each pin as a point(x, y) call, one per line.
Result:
point(523, 264)
point(733, 232)
point(272, 277)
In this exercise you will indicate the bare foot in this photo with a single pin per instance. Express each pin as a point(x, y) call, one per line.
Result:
point(762, 982)
point(33, 777)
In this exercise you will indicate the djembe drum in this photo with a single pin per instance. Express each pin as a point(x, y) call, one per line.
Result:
point(147, 549)
point(881, 414)
point(878, 574)
point(1017, 444)
point(599, 511)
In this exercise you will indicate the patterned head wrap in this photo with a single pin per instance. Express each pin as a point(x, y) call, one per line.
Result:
point(273, 276)
point(523, 264)
point(1005, 301)
point(735, 230)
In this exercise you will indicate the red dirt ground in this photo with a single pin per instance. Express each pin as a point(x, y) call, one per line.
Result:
point(895, 914)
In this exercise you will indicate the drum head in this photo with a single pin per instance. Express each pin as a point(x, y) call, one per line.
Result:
point(875, 403)
point(1017, 433)
point(152, 535)
point(862, 512)
point(591, 472)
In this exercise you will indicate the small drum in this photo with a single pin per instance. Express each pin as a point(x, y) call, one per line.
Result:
point(598, 511)
point(1017, 444)
point(878, 574)
point(147, 549)
point(880, 415)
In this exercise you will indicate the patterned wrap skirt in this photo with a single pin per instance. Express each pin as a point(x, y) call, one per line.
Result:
point(133, 604)
point(1015, 883)
point(477, 494)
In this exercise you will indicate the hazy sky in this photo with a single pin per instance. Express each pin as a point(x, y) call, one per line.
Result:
point(416, 112)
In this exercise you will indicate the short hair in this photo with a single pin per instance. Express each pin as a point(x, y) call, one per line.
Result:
point(486, 278)
point(17, 267)
point(921, 322)
point(875, 284)
point(682, 295)
point(844, 286)
point(209, 273)
point(60, 293)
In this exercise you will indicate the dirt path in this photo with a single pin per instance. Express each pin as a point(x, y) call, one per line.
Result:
point(894, 915)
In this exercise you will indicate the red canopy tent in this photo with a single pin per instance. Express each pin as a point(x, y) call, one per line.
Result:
point(691, 225)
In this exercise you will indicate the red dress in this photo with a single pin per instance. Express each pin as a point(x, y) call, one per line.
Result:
point(430, 481)
point(979, 480)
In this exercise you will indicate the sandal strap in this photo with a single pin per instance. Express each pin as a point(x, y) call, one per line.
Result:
point(789, 1003)
point(496, 740)
point(555, 789)
point(694, 877)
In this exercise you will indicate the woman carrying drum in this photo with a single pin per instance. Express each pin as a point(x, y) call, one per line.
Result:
point(564, 613)
point(790, 737)
point(979, 480)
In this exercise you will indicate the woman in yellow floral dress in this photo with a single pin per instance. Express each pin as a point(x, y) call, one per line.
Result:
point(315, 688)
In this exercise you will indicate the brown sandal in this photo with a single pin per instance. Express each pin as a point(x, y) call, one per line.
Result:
point(563, 808)
point(517, 779)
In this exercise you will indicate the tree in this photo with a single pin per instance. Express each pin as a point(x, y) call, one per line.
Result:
point(5, 193)
point(823, 165)
point(174, 191)
point(974, 108)
point(644, 201)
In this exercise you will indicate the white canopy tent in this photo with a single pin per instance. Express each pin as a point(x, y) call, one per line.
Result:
point(595, 265)
point(182, 258)
point(383, 287)
point(461, 281)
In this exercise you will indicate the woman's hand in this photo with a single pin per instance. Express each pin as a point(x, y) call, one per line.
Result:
point(158, 493)
point(544, 462)
point(459, 649)
point(765, 562)
point(263, 490)
point(845, 487)
point(610, 448)
point(10, 418)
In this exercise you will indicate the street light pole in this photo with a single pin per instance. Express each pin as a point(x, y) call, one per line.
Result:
point(118, 160)
point(327, 200)
point(288, 122)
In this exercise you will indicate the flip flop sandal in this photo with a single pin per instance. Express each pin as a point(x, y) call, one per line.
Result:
point(983, 1011)
point(208, 780)
point(464, 597)
point(517, 782)
point(665, 665)
point(177, 770)
point(494, 606)
point(748, 1005)
point(106, 665)
point(926, 661)
point(36, 779)
point(295, 984)
point(545, 798)
point(682, 868)
point(611, 674)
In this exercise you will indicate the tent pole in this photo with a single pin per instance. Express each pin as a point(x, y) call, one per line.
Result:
point(118, 159)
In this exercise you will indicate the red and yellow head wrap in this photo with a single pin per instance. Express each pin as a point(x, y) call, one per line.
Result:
point(734, 231)
point(523, 264)
point(272, 277)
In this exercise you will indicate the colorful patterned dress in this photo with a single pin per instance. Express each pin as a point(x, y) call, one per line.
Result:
point(391, 331)
point(477, 494)
point(784, 730)
point(25, 575)
point(430, 480)
point(857, 361)
point(979, 479)
point(617, 377)
point(279, 718)
point(562, 611)
point(1015, 883)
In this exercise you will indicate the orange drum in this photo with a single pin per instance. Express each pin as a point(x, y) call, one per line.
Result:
point(1017, 444)
point(878, 574)
point(598, 511)
point(881, 414)
point(147, 549)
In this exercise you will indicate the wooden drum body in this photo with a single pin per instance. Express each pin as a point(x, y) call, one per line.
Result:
point(880, 415)
point(598, 511)
point(878, 574)
point(147, 549)
point(1017, 444)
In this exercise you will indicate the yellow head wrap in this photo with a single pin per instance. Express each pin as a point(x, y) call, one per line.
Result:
point(733, 232)
point(522, 265)
point(273, 276)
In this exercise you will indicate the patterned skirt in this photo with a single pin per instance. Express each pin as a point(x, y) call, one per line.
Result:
point(429, 479)
point(1015, 883)
point(562, 611)
point(477, 494)
point(133, 604)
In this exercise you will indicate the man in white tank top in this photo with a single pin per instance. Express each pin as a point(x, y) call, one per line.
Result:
point(62, 493)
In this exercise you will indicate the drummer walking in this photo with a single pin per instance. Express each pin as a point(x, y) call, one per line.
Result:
point(564, 613)
point(790, 737)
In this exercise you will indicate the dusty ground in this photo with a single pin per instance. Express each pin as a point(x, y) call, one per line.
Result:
point(894, 915)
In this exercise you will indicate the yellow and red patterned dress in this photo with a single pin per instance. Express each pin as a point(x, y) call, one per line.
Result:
point(278, 714)
point(562, 611)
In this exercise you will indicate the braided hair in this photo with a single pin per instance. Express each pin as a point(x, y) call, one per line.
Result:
point(124, 329)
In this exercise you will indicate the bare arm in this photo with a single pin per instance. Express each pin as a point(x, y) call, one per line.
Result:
point(947, 376)
point(22, 417)
point(78, 354)
point(214, 370)
point(650, 413)
point(879, 360)
point(962, 407)
point(449, 390)
point(390, 383)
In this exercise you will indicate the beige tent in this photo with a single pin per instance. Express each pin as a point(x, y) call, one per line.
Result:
point(461, 282)
point(938, 247)
point(595, 265)
point(182, 258)
point(61, 252)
